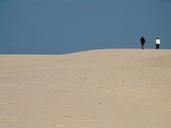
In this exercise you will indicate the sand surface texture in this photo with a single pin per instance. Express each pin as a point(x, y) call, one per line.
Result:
point(93, 89)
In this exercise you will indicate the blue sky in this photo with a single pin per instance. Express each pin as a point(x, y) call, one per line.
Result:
point(62, 26)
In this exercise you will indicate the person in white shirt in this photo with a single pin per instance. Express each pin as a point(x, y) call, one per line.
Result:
point(157, 43)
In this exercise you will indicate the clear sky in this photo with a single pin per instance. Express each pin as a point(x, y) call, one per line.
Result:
point(62, 26)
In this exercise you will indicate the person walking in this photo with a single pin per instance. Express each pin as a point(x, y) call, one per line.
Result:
point(157, 43)
point(142, 40)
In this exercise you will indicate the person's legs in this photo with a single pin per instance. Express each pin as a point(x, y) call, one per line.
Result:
point(158, 46)
point(142, 45)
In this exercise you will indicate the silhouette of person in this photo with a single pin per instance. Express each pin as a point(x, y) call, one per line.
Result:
point(142, 40)
point(157, 43)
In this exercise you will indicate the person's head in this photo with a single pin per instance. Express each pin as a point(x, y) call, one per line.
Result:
point(157, 37)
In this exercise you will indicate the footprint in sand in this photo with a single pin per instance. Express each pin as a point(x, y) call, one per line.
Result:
point(89, 119)
point(99, 103)
point(66, 116)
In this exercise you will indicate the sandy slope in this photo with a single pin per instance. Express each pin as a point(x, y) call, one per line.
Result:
point(94, 89)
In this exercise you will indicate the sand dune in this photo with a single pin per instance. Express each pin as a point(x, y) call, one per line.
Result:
point(114, 88)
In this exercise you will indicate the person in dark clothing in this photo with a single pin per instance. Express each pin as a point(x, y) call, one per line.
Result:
point(142, 40)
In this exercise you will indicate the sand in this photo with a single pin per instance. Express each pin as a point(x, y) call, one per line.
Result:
point(114, 88)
